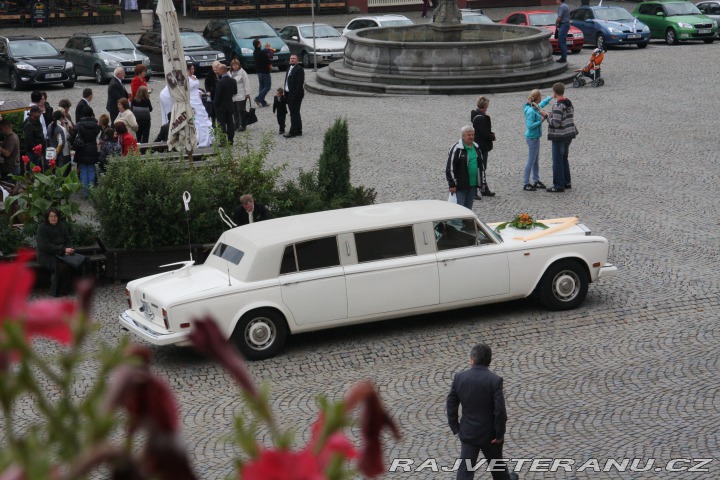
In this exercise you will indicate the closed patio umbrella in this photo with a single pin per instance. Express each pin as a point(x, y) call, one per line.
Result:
point(181, 134)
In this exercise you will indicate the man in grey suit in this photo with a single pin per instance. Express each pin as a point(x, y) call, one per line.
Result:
point(482, 427)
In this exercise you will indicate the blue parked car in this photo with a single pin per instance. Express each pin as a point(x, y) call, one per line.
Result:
point(605, 26)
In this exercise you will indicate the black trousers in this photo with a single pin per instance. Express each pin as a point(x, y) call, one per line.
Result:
point(294, 102)
point(226, 122)
point(143, 133)
point(472, 452)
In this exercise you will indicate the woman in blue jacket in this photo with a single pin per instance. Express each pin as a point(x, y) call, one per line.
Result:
point(533, 131)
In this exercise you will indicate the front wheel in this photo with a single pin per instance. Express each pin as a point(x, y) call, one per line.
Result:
point(71, 82)
point(306, 60)
point(671, 37)
point(708, 40)
point(15, 81)
point(99, 76)
point(563, 286)
point(260, 334)
point(642, 45)
point(600, 41)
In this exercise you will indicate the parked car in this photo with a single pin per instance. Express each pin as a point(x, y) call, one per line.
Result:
point(29, 60)
point(329, 42)
point(235, 37)
point(269, 279)
point(711, 10)
point(474, 16)
point(546, 19)
point(376, 21)
point(605, 26)
point(197, 51)
point(99, 54)
point(676, 20)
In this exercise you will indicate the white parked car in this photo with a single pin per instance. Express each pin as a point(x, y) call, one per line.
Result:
point(377, 21)
point(328, 41)
point(269, 279)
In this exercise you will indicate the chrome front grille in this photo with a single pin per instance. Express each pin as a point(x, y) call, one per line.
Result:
point(54, 67)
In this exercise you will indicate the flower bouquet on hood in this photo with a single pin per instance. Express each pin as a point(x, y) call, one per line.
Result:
point(522, 221)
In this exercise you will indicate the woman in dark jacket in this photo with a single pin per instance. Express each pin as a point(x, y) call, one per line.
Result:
point(53, 241)
point(142, 107)
point(86, 154)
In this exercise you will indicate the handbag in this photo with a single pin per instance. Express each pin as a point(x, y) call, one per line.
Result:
point(452, 198)
point(75, 260)
point(249, 115)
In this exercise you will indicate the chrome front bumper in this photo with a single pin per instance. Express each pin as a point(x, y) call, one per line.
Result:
point(609, 270)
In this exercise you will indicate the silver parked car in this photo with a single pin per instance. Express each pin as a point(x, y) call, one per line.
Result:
point(329, 44)
point(712, 10)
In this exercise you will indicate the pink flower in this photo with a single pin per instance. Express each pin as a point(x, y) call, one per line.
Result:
point(372, 421)
point(36, 169)
point(45, 318)
point(283, 465)
point(37, 149)
point(25, 159)
point(207, 338)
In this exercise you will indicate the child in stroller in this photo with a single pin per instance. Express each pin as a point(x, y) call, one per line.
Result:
point(591, 70)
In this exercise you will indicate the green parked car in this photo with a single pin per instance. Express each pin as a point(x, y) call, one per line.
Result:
point(676, 20)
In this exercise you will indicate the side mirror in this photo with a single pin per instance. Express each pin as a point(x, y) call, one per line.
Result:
point(224, 38)
point(87, 49)
point(294, 37)
point(660, 14)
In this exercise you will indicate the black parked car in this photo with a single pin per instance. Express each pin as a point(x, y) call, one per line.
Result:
point(29, 60)
point(197, 51)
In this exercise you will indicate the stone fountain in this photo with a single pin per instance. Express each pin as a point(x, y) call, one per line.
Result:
point(444, 57)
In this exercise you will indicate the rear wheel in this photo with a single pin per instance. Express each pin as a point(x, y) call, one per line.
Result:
point(671, 37)
point(15, 81)
point(563, 286)
point(600, 41)
point(260, 334)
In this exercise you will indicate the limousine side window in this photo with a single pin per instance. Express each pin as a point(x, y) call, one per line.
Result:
point(226, 252)
point(310, 255)
point(384, 244)
point(459, 233)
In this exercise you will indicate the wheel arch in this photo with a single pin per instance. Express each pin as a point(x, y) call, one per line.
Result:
point(560, 258)
point(281, 310)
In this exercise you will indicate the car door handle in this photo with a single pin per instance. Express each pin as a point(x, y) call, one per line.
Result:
point(446, 260)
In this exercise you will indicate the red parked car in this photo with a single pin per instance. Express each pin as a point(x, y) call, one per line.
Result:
point(546, 19)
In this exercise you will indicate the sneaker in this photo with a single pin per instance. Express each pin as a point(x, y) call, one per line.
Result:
point(539, 184)
point(529, 188)
point(488, 193)
point(555, 190)
point(281, 132)
point(568, 186)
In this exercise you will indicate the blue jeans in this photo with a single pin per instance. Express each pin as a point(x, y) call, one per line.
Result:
point(265, 85)
point(466, 197)
point(87, 177)
point(562, 39)
point(561, 166)
point(532, 161)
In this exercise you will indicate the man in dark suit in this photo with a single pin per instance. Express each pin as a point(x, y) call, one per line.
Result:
point(250, 212)
point(482, 427)
point(83, 105)
point(223, 102)
point(294, 92)
point(116, 91)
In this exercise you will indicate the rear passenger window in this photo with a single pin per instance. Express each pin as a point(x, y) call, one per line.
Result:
point(310, 255)
point(384, 244)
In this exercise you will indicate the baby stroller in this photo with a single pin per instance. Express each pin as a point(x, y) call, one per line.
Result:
point(591, 70)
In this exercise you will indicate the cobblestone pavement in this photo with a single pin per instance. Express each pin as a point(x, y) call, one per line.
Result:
point(632, 373)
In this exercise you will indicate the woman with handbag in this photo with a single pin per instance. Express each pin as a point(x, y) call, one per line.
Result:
point(54, 250)
point(243, 94)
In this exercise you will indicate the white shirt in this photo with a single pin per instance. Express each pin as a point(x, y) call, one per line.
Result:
point(250, 215)
point(287, 77)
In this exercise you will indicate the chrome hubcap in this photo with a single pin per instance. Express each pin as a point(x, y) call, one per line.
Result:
point(260, 333)
point(566, 286)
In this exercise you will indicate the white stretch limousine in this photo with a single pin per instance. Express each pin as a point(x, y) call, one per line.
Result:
point(340, 267)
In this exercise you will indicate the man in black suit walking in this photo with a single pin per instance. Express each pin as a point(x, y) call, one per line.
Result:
point(116, 91)
point(482, 427)
point(294, 92)
point(83, 105)
point(223, 103)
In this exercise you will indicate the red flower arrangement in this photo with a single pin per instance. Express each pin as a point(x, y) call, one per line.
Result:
point(25, 159)
point(52, 163)
point(36, 169)
point(37, 149)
